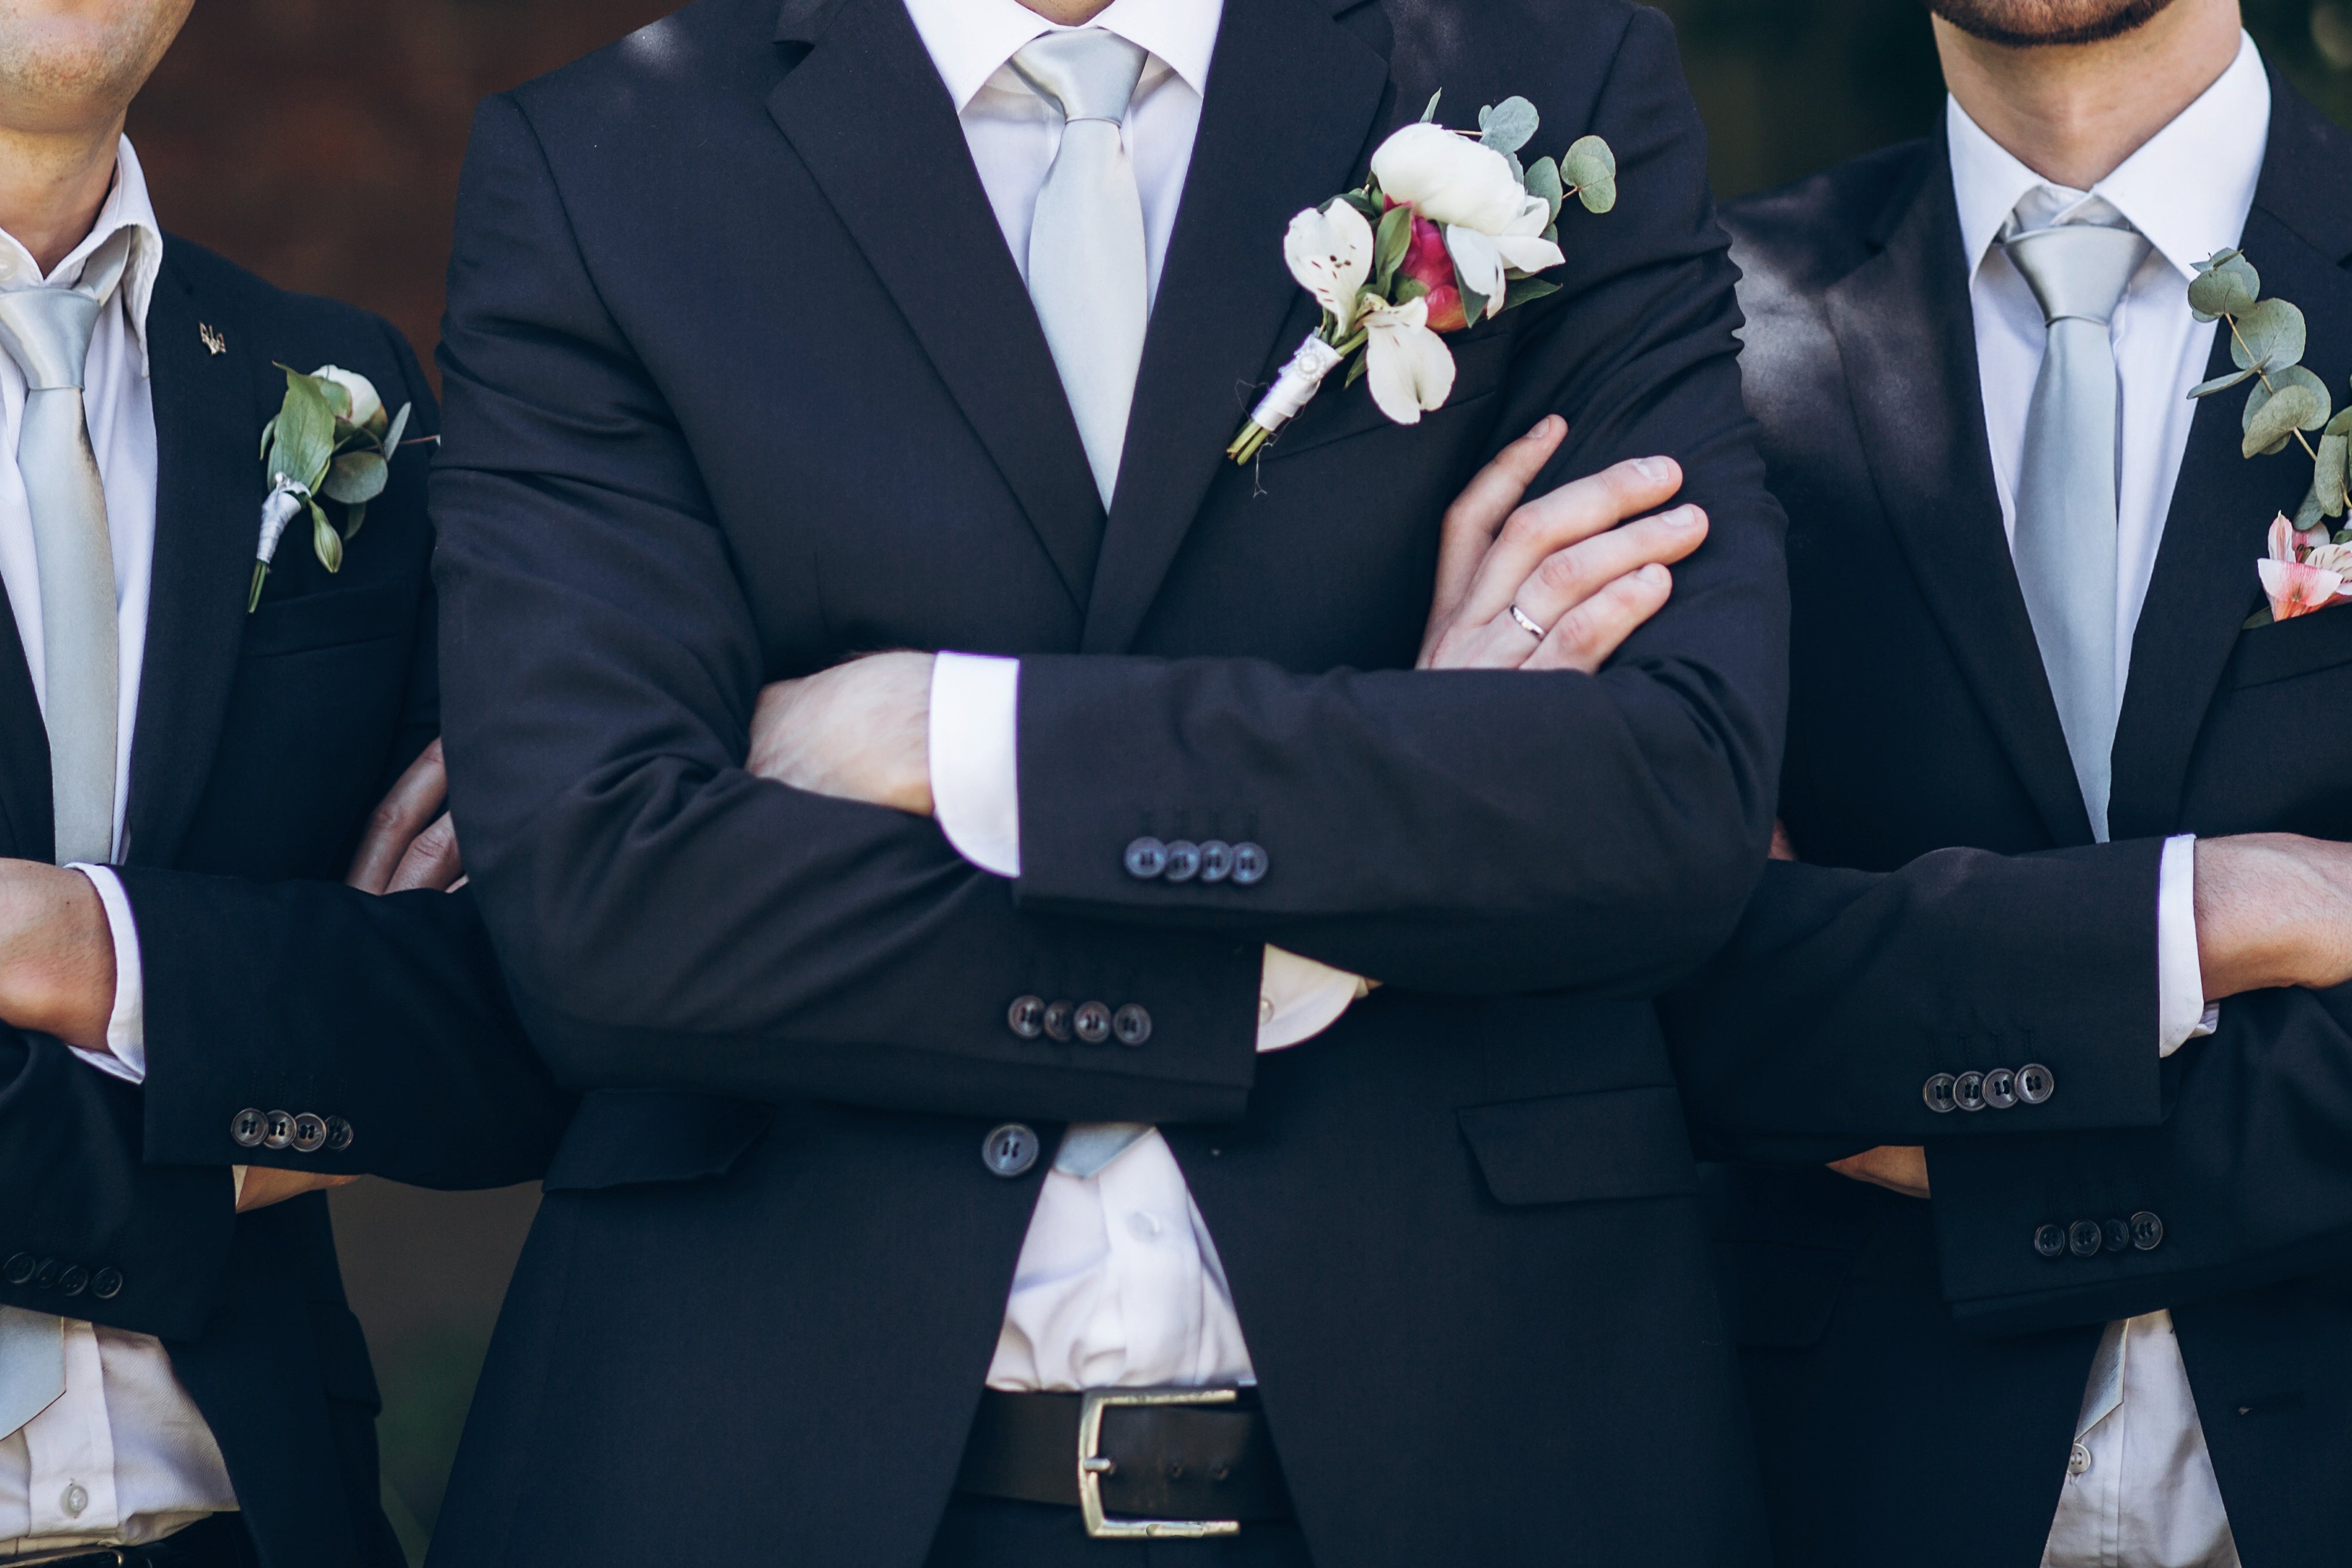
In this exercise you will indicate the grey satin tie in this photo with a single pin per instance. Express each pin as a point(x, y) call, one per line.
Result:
point(46, 330)
point(2065, 545)
point(1087, 270)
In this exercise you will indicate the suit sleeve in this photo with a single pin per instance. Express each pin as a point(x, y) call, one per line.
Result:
point(667, 919)
point(1487, 831)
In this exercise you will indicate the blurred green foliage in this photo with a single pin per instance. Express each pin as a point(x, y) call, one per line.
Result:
point(1791, 85)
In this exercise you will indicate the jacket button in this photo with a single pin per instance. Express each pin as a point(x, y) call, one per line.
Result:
point(1250, 865)
point(309, 1133)
point(2036, 1083)
point(2001, 1088)
point(1092, 1021)
point(2117, 1234)
point(2083, 1237)
point(1146, 858)
point(1130, 1025)
point(1009, 1151)
point(1026, 1017)
point(1967, 1092)
point(20, 1269)
point(1937, 1092)
point(106, 1284)
point(338, 1135)
point(2050, 1240)
point(247, 1128)
point(44, 1278)
point(74, 1281)
point(278, 1131)
point(1216, 860)
point(2147, 1231)
point(1057, 1020)
point(1183, 861)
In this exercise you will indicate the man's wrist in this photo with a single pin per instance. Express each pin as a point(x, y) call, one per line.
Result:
point(57, 954)
point(2273, 910)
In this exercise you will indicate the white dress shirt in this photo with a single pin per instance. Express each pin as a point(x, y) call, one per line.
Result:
point(2140, 1491)
point(1119, 1283)
point(122, 1457)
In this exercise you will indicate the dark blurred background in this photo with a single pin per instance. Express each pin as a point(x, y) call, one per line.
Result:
point(318, 143)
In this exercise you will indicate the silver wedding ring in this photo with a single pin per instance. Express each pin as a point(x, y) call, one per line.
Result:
point(1525, 626)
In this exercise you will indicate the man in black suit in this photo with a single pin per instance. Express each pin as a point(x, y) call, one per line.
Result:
point(744, 380)
point(2114, 1335)
point(203, 1025)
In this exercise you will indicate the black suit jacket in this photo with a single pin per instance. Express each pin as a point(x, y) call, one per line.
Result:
point(1901, 1356)
point(261, 743)
point(742, 381)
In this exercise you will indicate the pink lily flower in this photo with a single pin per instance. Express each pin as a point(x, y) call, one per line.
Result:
point(2294, 588)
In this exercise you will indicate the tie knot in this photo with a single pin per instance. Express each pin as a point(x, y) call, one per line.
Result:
point(1089, 74)
point(47, 330)
point(2077, 270)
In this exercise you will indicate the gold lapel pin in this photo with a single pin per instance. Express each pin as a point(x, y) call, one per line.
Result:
point(213, 341)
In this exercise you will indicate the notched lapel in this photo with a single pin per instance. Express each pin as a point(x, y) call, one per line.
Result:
point(1292, 100)
point(869, 117)
point(207, 518)
point(1906, 336)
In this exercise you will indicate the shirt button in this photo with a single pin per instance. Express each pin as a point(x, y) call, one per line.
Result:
point(106, 1284)
point(1249, 865)
point(1092, 1022)
point(278, 1131)
point(1146, 858)
point(1265, 1009)
point(338, 1135)
point(1216, 860)
point(1142, 1227)
point(1967, 1092)
point(2036, 1083)
point(1183, 861)
point(2001, 1088)
point(309, 1133)
point(2078, 1460)
point(2050, 1240)
point(1010, 1150)
point(2084, 1239)
point(75, 1499)
point(247, 1128)
point(1026, 1017)
point(1937, 1092)
point(2147, 1231)
point(1131, 1024)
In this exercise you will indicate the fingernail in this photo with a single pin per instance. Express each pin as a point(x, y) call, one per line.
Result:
point(1543, 427)
point(1683, 517)
point(1654, 469)
point(1654, 573)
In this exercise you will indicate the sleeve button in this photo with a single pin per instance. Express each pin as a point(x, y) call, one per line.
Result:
point(1026, 1017)
point(2050, 1240)
point(1147, 857)
point(1183, 861)
point(247, 1128)
point(46, 1277)
point(2117, 1234)
point(1249, 865)
point(106, 1284)
point(20, 1269)
point(1057, 1020)
point(278, 1133)
point(338, 1135)
point(309, 1133)
point(2147, 1231)
point(1216, 860)
point(2083, 1237)
point(2001, 1088)
point(1937, 1092)
point(1092, 1022)
point(1131, 1024)
point(74, 1281)
point(1967, 1092)
point(2036, 1083)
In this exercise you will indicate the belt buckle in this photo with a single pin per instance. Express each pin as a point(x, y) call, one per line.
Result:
point(1093, 1466)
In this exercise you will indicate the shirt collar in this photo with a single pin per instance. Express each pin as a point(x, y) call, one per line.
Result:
point(969, 40)
point(126, 206)
point(2188, 188)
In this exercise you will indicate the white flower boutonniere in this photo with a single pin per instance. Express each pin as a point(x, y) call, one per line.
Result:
point(1450, 230)
point(332, 441)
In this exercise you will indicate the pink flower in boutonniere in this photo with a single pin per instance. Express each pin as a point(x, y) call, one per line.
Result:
point(2300, 575)
point(1426, 263)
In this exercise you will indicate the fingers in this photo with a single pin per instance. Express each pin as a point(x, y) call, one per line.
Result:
point(433, 860)
point(1567, 578)
point(1783, 848)
point(1589, 635)
point(1575, 512)
point(398, 817)
point(1480, 510)
point(265, 1186)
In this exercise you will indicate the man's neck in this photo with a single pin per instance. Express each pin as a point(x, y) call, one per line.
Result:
point(1068, 13)
point(2072, 114)
point(52, 185)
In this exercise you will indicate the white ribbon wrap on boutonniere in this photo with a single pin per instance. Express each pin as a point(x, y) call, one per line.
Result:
point(331, 441)
point(1295, 386)
point(287, 500)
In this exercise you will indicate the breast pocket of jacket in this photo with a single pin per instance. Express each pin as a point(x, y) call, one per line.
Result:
point(2287, 649)
point(1482, 358)
point(1603, 1145)
point(336, 618)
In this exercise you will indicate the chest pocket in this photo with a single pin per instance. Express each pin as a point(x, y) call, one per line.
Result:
point(335, 618)
point(1612, 1143)
point(2286, 649)
point(1481, 358)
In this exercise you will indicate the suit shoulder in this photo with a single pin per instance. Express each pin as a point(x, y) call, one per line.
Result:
point(1800, 238)
point(308, 326)
point(686, 53)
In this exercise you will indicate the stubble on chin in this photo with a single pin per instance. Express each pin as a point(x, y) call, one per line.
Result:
point(2037, 24)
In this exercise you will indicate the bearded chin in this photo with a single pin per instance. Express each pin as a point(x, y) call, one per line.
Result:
point(2037, 24)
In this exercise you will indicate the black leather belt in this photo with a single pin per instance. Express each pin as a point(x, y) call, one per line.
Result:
point(1137, 1462)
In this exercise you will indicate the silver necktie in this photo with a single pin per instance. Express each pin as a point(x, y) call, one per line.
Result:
point(1088, 271)
point(46, 330)
point(2065, 544)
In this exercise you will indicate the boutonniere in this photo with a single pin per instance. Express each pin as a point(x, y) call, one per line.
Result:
point(2309, 565)
point(1450, 230)
point(330, 442)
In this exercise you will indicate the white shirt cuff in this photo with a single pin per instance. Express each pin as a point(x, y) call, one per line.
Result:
point(1299, 998)
point(126, 1027)
point(975, 767)
point(2182, 1012)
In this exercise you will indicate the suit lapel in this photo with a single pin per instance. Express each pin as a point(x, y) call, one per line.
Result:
point(1906, 336)
point(869, 117)
point(2298, 234)
point(207, 514)
point(1293, 100)
point(26, 808)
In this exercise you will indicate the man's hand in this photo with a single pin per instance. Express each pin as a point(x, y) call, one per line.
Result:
point(57, 954)
point(1568, 561)
point(265, 1186)
point(411, 842)
point(859, 731)
point(2272, 909)
point(1898, 1169)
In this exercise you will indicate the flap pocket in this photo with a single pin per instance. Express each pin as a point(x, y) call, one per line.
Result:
point(1582, 1149)
point(2285, 649)
point(623, 1138)
point(332, 618)
point(1781, 1297)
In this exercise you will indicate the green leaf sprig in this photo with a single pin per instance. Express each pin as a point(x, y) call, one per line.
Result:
point(313, 451)
point(2287, 401)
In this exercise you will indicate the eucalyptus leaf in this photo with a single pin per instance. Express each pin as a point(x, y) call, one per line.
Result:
point(2308, 515)
point(1388, 250)
point(2327, 477)
point(324, 540)
point(353, 517)
point(1520, 291)
point(2219, 384)
point(2233, 287)
point(1509, 125)
point(2341, 424)
point(1543, 180)
point(338, 396)
point(1590, 169)
point(1431, 113)
point(399, 428)
point(357, 478)
point(2271, 336)
point(1598, 195)
point(2273, 421)
point(2259, 617)
point(2293, 376)
point(1474, 304)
